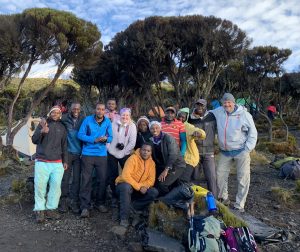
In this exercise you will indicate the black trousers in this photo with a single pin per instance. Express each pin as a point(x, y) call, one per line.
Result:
point(113, 171)
point(88, 164)
point(128, 195)
point(74, 172)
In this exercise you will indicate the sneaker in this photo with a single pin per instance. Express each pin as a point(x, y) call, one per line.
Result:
point(52, 215)
point(75, 207)
point(63, 205)
point(225, 202)
point(124, 223)
point(85, 213)
point(40, 216)
point(101, 208)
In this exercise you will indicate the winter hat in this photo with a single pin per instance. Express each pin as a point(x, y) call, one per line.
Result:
point(201, 101)
point(228, 97)
point(143, 118)
point(155, 123)
point(123, 110)
point(185, 110)
point(171, 108)
point(54, 108)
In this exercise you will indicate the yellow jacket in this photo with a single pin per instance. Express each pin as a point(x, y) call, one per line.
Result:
point(138, 172)
point(191, 156)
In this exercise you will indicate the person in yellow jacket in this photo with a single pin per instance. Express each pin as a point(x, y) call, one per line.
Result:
point(135, 184)
point(191, 156)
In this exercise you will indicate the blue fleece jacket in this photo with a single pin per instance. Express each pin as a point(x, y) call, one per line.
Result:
point(89, 131)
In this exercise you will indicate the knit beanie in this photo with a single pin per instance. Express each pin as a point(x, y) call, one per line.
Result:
point(155, 123)
point(143, 118)
point(228, 97)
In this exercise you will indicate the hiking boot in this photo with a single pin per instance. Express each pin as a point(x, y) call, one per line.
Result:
point(225, 202)
point(40, 216)
point(75, 207)
point(240, 210)
point(52, 215)
point(101, 208)
point(85, 213)
point(63, 205)
point(124, 223)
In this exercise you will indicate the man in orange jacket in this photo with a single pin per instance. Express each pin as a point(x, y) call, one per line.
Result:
point(135, 184)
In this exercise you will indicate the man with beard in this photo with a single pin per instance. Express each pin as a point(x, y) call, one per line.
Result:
point(200, 118)
point(95, 132)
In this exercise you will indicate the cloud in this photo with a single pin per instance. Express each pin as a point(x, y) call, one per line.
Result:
point(272, 22)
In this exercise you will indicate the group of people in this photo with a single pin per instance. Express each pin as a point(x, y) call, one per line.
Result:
point(140, 161)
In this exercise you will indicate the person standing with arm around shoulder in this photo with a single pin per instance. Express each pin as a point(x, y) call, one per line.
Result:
point(175, 128)
point(95, 132)
point(51, 160)
point(201, 119)
point(124, 132)
point(72, 122)
point(237, 136)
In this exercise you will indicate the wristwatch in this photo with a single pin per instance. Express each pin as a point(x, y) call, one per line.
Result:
point(169, 168)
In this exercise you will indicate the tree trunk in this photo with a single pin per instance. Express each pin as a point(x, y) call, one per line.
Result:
point(36, 102)
point(285, 125)
point(270, 125)
point(9, 136)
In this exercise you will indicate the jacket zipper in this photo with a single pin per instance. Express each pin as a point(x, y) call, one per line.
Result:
point(143, 171)
point(226, 124)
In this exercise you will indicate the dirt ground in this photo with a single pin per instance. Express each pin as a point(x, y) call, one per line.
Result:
point(19, 232)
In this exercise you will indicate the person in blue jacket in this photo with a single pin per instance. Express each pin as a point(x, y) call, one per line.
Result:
point(95, 132)
point(72, 122)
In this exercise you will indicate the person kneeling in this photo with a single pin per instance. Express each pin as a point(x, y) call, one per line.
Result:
point(135, 184)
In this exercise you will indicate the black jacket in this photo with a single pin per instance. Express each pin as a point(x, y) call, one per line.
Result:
point(171, 153)
point(209, 125)
point(141, 138)
point(53, 145)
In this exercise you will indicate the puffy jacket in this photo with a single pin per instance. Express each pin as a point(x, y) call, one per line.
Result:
point(138, 172)
point(236, 130)
point(89, 131)
point(74, 144)
point(191, 156)
point(51, 146)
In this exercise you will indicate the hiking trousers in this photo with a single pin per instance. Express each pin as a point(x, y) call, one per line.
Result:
point(88, 164)
point(74, 171)
point(43, 173)
point(128, 196)
point(242, 162)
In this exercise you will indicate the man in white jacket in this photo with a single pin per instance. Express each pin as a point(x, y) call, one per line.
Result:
point(237, 136)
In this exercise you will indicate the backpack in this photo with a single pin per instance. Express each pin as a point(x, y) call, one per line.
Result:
point(239, 240)
point(290, 169)
point(204, 235)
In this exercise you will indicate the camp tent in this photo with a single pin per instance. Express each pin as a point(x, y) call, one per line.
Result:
point(22, 140)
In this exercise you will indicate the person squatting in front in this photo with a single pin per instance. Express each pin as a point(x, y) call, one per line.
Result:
point(51, 160)
point(95, 132)
point(135, 184)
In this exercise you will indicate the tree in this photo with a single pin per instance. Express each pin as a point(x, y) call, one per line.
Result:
point(262, 65)
point(60, 36)
point(11, 58)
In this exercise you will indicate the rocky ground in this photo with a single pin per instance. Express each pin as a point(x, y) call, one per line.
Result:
point(19, 232)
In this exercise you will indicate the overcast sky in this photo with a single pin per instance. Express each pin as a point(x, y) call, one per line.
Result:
point(267, 22)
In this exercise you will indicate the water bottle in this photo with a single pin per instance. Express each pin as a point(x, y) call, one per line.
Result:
point(211, 202)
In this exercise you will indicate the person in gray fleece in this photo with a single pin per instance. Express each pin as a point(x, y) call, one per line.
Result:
point(237, 136)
